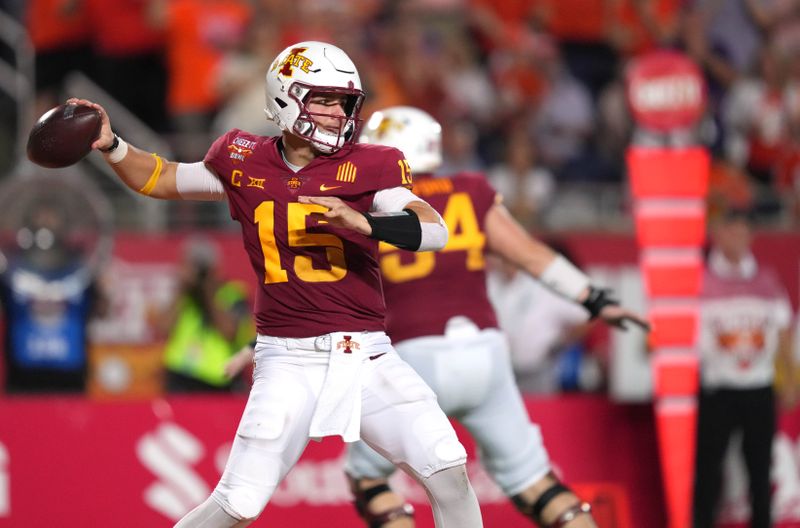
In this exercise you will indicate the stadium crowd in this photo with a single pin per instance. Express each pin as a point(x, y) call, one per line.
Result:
point(530, 91)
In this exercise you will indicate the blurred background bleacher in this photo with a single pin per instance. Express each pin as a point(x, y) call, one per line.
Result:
point(529, 91)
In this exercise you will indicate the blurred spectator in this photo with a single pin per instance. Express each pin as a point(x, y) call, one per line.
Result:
point(304, 20)
point(584, 31)
point(541, 327)
point(240, 80)
point(745, 330)
point(526, 187)
point(564, 121)
point(199, 32)
point(725, 38)
point(756, 115)
point(518, 77)
point(468, 91)
point(788, 172)
point(375, 46)
point(129, 47)
point(414, 52)
point(614, 127)
point(498, 24)
point(638, 26)
point(48, 296)
point(61, 35)
point(728, 187)
point(208, 321)
point(459, 148)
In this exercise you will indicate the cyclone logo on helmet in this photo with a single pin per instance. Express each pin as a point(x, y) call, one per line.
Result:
point(295, 59)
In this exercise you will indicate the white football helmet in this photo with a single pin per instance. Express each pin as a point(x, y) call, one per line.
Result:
point(306, 69)
point(416, 133)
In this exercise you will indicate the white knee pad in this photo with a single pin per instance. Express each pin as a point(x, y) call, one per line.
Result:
point(450, 451)
point(441, 448)
point(252, 474)
point(244, 503)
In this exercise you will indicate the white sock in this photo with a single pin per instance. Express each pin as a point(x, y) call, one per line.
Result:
point(452, 498)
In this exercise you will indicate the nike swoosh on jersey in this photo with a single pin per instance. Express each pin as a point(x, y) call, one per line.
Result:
point(324, 187)
point(376, 356)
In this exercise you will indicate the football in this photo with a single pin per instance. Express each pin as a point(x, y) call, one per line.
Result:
point(63, 135)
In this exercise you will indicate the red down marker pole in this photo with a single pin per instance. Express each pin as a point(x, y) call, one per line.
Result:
point(669, 183)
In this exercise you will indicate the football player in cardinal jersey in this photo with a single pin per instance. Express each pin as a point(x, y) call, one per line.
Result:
point(312, 207)
point(442, 323)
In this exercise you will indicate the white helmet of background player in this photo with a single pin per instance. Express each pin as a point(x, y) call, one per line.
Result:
point(416, 133)
point(303, 70)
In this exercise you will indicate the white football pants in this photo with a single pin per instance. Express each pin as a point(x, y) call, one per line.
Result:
point(470, 371)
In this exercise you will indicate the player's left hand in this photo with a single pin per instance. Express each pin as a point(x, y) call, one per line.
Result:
point(616, 315)
point(339, 214)
point(239, 361)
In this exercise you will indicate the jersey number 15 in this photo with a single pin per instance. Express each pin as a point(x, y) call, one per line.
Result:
point(298, 236)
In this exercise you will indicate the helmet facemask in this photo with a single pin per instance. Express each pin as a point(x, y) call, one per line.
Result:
point(326, 139)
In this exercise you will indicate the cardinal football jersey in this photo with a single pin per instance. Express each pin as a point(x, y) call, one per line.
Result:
point(448, 283)
point(313, 278)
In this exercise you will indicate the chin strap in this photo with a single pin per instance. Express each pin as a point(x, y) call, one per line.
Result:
point(378, 520)
point(534, 511)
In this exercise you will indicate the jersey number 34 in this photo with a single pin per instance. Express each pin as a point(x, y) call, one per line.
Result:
point(465, 235)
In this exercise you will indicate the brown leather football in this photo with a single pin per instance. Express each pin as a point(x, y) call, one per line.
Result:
point(63, 135)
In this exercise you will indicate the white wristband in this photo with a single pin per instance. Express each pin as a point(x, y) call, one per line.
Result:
point(117, 155)
point(564, 278)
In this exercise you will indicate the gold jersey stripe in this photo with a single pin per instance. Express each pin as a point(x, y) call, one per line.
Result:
point(346, 173)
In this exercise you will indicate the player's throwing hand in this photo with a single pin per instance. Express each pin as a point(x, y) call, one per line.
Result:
point(106, 137)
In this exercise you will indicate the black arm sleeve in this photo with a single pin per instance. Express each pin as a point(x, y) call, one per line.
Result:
point(399, 229)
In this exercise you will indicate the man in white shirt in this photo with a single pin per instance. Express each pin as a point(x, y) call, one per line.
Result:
point(745, 328)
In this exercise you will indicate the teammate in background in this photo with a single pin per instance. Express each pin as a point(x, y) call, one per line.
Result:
point(454, 342)
point(312, 208)
point(441, 321)
point(745, 329)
